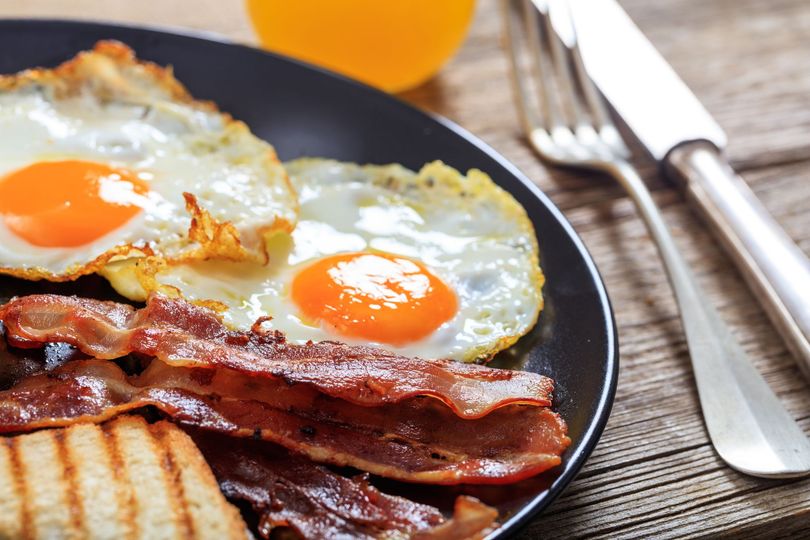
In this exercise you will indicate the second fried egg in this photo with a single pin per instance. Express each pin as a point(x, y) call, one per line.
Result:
point(432, 264)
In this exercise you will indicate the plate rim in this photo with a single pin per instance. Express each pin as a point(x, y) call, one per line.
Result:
point(604, 404)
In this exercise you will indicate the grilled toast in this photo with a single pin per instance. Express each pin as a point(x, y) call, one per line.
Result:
point(125, 479)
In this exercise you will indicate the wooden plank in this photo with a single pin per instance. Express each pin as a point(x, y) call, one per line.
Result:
point(746, 60)
point(654, 473)
point(765, 110)
point(225, 17)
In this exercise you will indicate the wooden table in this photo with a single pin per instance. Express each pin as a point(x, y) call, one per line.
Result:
point(654, 473)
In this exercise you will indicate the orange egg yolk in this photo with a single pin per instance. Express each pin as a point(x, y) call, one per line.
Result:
point(376, 297)
point(69, 203)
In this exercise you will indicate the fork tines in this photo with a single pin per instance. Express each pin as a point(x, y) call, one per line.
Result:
point(562, 112)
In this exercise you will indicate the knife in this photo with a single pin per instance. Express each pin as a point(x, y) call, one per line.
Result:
point(684, 139)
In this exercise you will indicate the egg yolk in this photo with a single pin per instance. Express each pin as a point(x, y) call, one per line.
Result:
point(68, 203)
point(376, 297)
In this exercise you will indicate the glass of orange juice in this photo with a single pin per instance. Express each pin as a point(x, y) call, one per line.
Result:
point(390, 44)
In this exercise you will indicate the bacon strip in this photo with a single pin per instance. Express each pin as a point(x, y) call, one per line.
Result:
point(288, 491)
point(182, 334)
point(14, 367)
point(418, 440)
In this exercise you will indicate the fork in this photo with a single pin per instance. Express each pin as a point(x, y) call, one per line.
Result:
point(567, 122)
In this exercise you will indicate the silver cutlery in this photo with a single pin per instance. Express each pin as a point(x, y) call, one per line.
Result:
point(681, 135)
point(568, 124)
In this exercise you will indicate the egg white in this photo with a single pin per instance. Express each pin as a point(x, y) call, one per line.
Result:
point(116, 114)
point(468, 231)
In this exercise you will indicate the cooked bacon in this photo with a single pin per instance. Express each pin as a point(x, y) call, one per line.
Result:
point(14, 367)
point(182, 334)
point(290, 491)
point(416, 440)
point(472, 520)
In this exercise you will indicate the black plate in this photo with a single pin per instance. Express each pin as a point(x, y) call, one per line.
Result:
point(304, 111)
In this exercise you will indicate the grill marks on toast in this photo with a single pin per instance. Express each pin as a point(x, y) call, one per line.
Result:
point(190, 466)
point(175, 485)
point(46, 489)
point(14, 516)
point(75, 508)
point(124, 497)
point(144, 474)
point(123, 480)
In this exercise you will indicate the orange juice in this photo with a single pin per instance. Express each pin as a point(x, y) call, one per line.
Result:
point(391, 44)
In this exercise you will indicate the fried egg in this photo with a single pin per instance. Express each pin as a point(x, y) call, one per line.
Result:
point(432, 264)
point(106, 157)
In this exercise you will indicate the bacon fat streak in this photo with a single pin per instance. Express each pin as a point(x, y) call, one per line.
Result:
point(287, 491)
point(182, 334)
point(415, 437)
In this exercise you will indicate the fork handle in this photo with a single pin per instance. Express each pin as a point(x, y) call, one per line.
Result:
point(775, 268)
point(744, 417)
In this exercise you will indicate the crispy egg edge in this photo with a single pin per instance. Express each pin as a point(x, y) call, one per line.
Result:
point(136, 281)
point(107, 62)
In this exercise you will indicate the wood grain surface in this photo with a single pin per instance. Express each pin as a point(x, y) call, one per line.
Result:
point(654, 473)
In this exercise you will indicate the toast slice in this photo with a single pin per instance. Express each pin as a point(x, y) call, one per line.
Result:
point(125, 479)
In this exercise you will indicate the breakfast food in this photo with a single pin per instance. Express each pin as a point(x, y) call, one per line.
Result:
point(106, 158)
point(123, 479)
point(318, 503)
point(432, 264)
point(435, 421)
point(295, 352)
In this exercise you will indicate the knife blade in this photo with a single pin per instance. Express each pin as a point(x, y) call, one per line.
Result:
point(679, 133)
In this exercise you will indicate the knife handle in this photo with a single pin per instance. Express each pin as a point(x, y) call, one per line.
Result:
point(775, 268)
